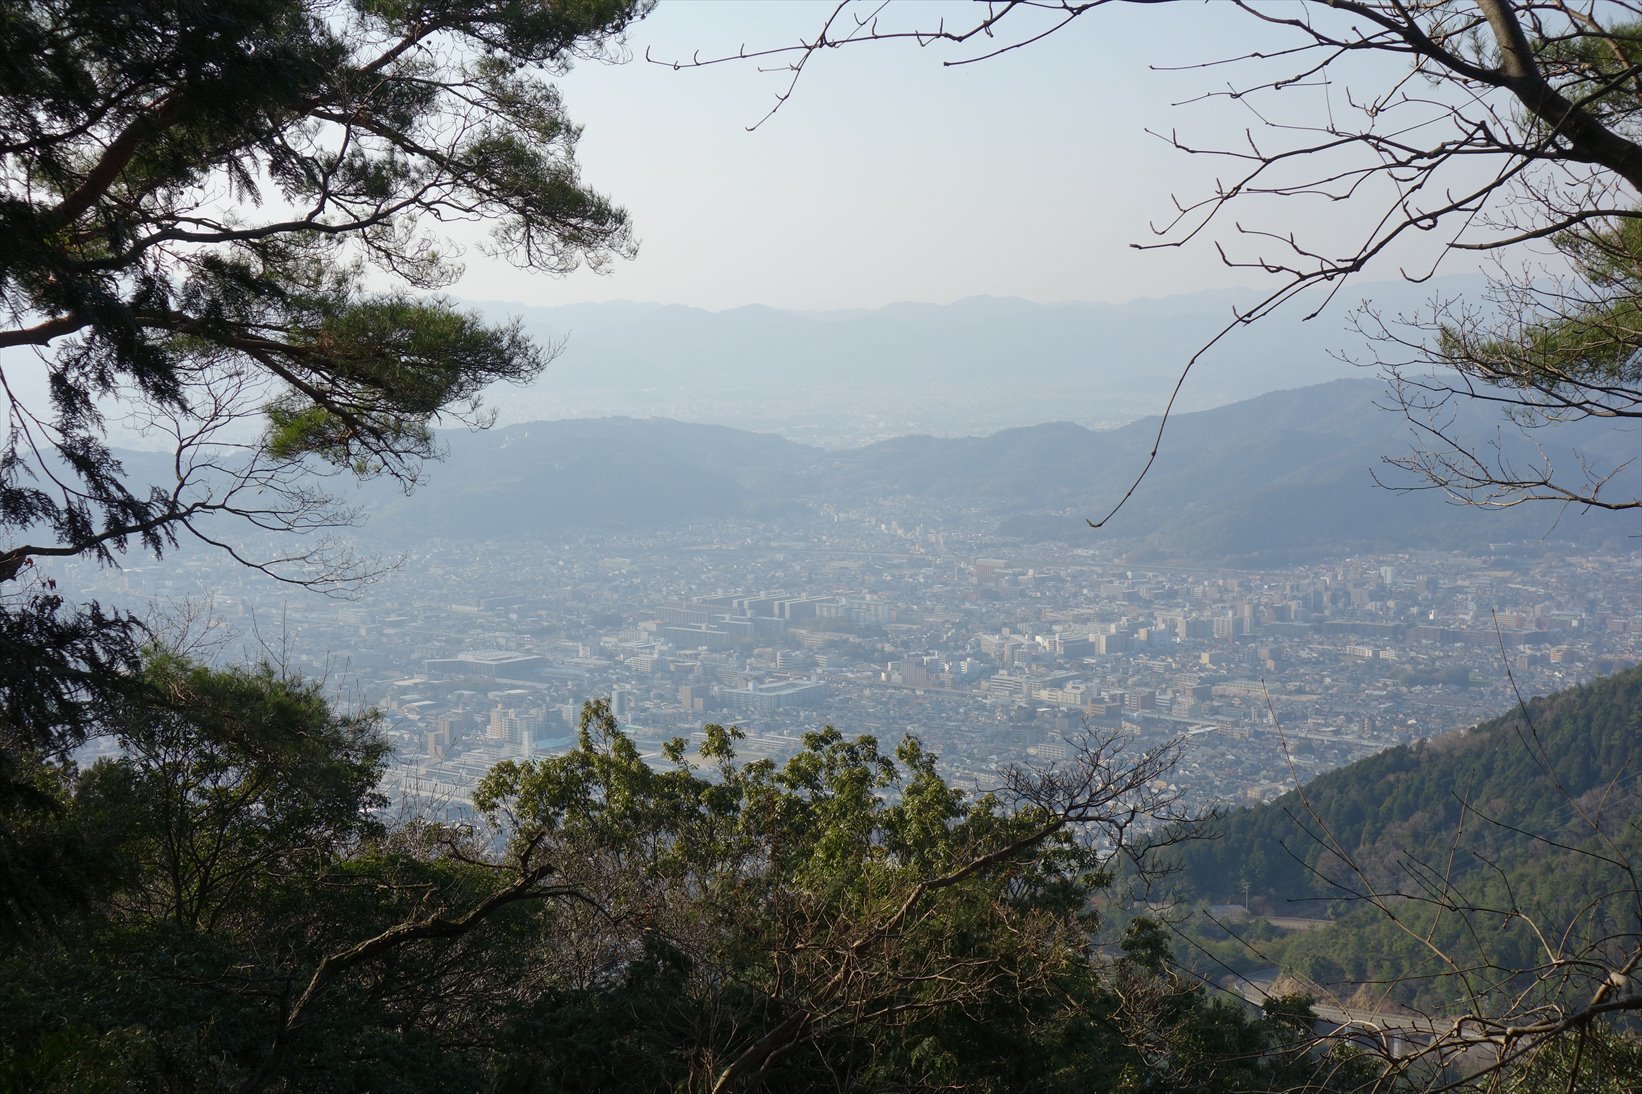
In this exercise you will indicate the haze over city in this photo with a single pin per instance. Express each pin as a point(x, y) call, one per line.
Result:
point(882, 546)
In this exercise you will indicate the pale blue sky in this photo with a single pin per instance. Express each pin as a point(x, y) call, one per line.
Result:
point(889, 177)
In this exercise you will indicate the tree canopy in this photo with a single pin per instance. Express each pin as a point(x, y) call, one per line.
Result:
point(693, 922)
point(191, 198)
point(224, 225)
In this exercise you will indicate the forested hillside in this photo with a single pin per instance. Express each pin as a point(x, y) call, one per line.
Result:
point(1461, 870)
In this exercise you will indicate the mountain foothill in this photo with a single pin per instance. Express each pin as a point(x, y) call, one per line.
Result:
point(1281, 478)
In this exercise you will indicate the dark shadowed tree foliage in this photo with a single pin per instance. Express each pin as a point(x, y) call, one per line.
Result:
point(233, 787)
point(1486, 880)
point(849, 920)
point(228, 780)
point(846, 920)
point(253, 923)
point(192, 198)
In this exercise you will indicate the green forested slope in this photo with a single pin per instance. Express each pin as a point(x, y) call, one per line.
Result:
point(1456, 866)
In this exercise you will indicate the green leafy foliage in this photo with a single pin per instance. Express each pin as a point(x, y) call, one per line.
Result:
point(343, 134)
point(791, 908)
point(228, 780)
point(233, 788)
point(193, 199)
point(686, 921)
point(1575, 346)
point(849, 917)
point(1490, 873)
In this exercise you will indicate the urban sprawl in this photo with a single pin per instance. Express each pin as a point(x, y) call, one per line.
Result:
point(992, 653)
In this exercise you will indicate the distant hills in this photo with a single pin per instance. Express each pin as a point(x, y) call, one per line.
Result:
point(974, 366)
point(595, 475)
point(1281, 477)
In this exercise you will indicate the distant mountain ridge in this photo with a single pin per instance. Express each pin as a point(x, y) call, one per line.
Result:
point(1285, 476)
point(973, 366)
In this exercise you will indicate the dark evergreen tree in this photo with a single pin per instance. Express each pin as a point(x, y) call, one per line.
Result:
point(191, 198)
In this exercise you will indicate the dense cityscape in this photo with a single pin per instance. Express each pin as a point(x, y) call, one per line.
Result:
point(991, 652)
point(612, 545)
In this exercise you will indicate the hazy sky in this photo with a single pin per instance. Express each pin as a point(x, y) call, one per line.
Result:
point(889, 177)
